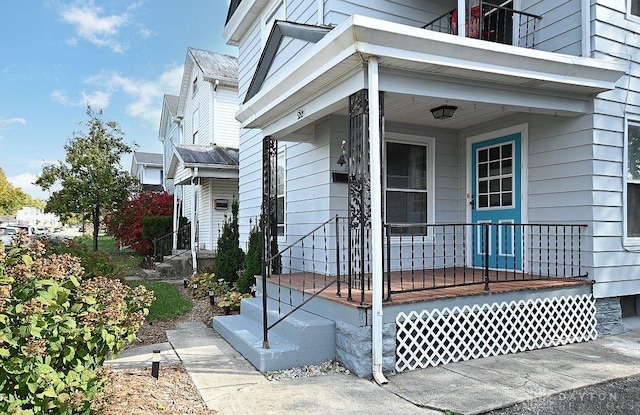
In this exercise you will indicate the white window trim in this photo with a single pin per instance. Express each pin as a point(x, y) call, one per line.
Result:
point(631, 16)
point(195, 130)
point(430, 144)
point(629, 243)
point(282, 152)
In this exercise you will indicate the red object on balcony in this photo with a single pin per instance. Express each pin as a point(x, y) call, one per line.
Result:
point(473, 22)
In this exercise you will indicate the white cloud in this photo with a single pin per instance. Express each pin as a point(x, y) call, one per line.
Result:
point(146, 94)
point(97, 99)
point(25, 182)
point(7, 121)
point(93, 25)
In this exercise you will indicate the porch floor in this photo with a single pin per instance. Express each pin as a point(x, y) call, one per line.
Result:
point(437, 285)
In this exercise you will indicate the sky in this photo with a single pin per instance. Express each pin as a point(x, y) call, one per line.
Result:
point(121, 56)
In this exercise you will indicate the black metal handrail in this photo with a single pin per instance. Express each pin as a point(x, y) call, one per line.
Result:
point(490, 22)
point(163, 245)
point(298, 260)
point(429, 256)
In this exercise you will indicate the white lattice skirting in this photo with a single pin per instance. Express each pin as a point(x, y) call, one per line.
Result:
point(432, 338)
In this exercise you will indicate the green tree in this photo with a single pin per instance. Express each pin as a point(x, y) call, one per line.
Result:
point(91, 179)
point(12, 199)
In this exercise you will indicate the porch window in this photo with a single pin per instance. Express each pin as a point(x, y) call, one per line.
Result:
point(280, 191)
point(633, 180)
point(406, 186)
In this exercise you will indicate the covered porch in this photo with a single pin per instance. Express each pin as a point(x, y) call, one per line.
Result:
point(471, 219)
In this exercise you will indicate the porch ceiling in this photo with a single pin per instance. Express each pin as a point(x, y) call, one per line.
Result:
point(424, 69)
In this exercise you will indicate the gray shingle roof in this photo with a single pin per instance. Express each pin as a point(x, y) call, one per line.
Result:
point(192, 155)
point(147, 158)
point(172, 103)
point(216, 65)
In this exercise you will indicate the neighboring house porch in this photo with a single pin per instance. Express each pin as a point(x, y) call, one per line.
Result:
point(432, 198)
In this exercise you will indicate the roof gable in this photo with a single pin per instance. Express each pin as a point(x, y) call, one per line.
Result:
point(213, 66)
point(169, 111)
point(280, 30)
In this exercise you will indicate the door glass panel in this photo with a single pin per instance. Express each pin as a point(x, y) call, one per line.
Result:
point(495, 162)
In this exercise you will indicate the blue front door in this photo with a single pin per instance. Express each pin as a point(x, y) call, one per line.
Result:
point(496, 192)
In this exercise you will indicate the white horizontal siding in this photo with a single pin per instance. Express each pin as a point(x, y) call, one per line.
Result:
point(221, 189)
point(559, 30)
point(615, 37)
point(227, 132)
point(204, 216)
point(249, 181)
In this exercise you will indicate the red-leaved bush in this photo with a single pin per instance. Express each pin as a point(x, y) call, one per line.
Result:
point(126, 223)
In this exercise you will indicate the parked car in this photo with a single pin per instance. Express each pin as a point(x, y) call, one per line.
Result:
point(7, 234)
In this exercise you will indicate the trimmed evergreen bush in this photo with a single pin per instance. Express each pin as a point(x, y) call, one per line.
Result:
point(230, 256)
point(252, 261)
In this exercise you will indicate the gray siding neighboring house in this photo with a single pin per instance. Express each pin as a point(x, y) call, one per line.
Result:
point(147, 168)
point(569, 90)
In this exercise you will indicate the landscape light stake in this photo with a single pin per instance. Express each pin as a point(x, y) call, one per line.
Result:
point(155, 364)
point(212, 299)
point(184, 281)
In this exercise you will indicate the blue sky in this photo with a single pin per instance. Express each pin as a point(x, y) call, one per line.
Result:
point(122, 56)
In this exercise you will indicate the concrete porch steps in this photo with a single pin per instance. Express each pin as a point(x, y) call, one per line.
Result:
point(301, 339)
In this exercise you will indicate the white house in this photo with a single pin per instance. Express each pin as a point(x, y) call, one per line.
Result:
point(168, 134)
point(481, 159)
point(147, 168)
point(200, 136)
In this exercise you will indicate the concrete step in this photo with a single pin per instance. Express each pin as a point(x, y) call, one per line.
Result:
point(294, 327)
point(300, 339)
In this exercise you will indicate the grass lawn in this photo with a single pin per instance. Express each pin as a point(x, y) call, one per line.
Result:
point(168, 303)
point(125, 258)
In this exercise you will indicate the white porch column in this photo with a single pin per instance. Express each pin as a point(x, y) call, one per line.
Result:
point(194, 219)
point(462, 18)
point(176, 220)
point(376, 220)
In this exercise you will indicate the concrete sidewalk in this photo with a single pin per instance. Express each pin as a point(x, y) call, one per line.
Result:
point(230, 385)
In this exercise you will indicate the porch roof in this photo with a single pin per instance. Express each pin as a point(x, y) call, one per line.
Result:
point(191, 161)
point(545, 81)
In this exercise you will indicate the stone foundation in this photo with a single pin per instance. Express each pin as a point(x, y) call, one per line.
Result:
point(353, 348)
point(609, 316)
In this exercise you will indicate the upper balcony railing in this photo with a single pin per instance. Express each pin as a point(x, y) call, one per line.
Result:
point(492, 23)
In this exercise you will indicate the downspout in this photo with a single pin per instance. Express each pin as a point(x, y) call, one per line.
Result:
point(586, 28)
point(376, 221)
point(214, 104)
point(194, 225)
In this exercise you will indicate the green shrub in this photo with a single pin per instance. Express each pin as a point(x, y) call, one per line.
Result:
point(95, 264)
point(200, 285)
point(252, 262)
point(230, 256)
point(233, 299)
point(156, 226)
point(57, 328)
